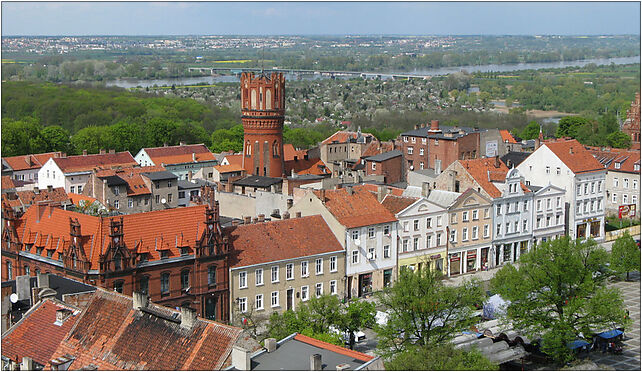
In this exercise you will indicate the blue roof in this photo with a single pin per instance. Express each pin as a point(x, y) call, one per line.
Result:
point(577, 344)
point(610, 334)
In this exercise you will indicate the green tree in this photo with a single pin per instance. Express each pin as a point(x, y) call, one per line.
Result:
point(57, 138)
point(21, 137)
point(625, 255)
point(425, 312)
point(531, 131)
point(227, 139)
point(559, 293)
point(442, 357)
point(357, 315)
point(619, 139)
point(91, 139)
point(569, 125)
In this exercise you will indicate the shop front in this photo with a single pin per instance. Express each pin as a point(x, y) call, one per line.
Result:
point(365, 284)
point(432, 261)
point(471, 261)
point(455, 263)
point(484, 258)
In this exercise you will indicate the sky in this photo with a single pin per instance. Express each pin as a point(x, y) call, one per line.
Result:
point(320, 18)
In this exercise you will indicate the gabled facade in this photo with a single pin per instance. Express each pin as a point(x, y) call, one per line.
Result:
point(182, 160)
point(177, 256)
point(622, 177)
point(469, 246)
point(421, 234)
point(569, 166)
point(365, 229)
point(549, 213)
point(26, 167)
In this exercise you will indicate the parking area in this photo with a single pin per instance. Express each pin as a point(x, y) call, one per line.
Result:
point(629, 360)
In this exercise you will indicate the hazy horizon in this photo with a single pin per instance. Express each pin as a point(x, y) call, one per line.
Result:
point(320, 18)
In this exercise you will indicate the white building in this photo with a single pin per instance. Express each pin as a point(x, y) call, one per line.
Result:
point(569, 166)
point(72, 172)
point(548, 213)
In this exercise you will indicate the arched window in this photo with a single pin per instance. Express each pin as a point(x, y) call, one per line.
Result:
point(143, 284)
point(268, 99)
point(27, 270)
point(253, 99)
point(249, 149)
point(185, 280)
point(9, 271)
point(211, 275)
point(164, 284)
point(74, 260)
point(275, 148)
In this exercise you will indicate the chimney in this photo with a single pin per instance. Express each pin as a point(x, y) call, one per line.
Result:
point(425, 189)
point(497, 161)
point(247, 220)
point(570, 150)
point(315, 362)
point(36, 190)
point(84, 152)
point(23, 287)
point(102, 152)
point(343, 367)
point(181, 143)
point(62, 315)
point(417, 126)
point(381, 192)
point(112, 151)
point(261, 217)
point(322, 191)
point(298, 214)
point(270, 344)
point(255, 220)
point(49, 188)
point(349, 190)
point(56, 154)
point(434, 125)
point(43, 280)
point(188, 317)
point(194, 157)
point(240, 358)
point(286, 215)
point(140, 300)
point(165, 144)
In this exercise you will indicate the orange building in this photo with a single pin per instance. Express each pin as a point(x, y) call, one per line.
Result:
point(262, 115)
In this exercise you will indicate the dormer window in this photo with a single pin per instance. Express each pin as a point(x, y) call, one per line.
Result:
point(636, 167)
point(618, 165)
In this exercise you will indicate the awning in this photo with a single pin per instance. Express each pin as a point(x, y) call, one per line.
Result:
point(577, 344)
point(610, 334)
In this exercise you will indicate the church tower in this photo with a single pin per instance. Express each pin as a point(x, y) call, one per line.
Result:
point(262, 115)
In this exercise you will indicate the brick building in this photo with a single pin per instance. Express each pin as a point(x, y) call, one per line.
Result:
point(182, 160)
point(178, 256)
point(262, 115)
point(389, 165)
point(631, 125)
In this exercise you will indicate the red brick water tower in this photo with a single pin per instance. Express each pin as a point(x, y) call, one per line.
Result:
point(262, 115)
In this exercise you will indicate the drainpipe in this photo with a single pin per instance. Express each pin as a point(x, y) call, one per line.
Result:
point(447, 239)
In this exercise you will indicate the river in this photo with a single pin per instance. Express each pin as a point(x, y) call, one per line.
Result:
point(132, 83)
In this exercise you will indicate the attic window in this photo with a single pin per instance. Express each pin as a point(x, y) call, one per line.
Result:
point(184, 251)
point(636, 167)
point(164, 254)
point(617, 165)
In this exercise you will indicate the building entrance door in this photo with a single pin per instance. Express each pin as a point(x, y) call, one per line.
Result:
point(289, 299)
point(210, 308)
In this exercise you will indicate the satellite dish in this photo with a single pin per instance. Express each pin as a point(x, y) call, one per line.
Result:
point(163, 201)
point(357, 242)
point(13, 298)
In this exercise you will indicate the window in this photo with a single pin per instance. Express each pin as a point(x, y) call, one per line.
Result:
point(118, 286)
point(617, 166)
point(371, 232)
point(258, 274)
point(355, 234)
point(130, 203)
point(405, 226)
point(578, 208)
point(165, 283)
point(243, 279)
point(436, 142)
point(539, 205)
point(211, 275)
point(464, 234)
point(333, 287)
point(507, 228)
point(146, 201)
point(185, 280)
point(486, 231)
point(405, 138)
point(636, 167)
point(275, 274)
point(475, 233)
point(616, 182)
point(319, 289)
point(453, 236)
point(157, 199)
point(525, 205)
point(438, 220)
point(423, 141)
point(599, 186)
point(169, 198)
point(464, 216)
point(475, 216)
point(304, 269)
point(143, 284)
point(9, 270)
point(242, 304)
point(169, 183)
point(499, 229)
point(374, 166)
point(289, 271)
point(548, 169)
point(558, 171)
point(319, 266)
point(275, 299)
point(614, 198)
point(539, 222)
point(586, 188)
point(626, 183)
point(421, 151)
point(635, 184)
point(409, 150)
point(625, 199)
point(558, 202)
point(428, 222)
point(355, 257)
point(428, 241)
point(486, 212)
point(593, 186)
point(386, 229)
point(516, 226)
point(305, 294)
point(181, 194)
point(333, 264)
point(634, 200)
point(415, 243)
point(548, 221)
point(258, 302)
point(413, 139)
point(579, 190)
point(453, 218)
point(116, 190)
point(499, 209)
point(116, 204)
point(438, 242)
point(184, 251)
point(72, 189)
point(558, 219)
point(404, 245)
point(548, 203)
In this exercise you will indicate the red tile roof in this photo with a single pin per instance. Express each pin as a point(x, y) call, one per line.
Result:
point(608, 157)
point(306, 166)
point(7, 183)
point(396, 204)
point(132, 176)
point(179, 154)
point(375, 188)
point(506, 136)
point(25, 162)
point(343, 137)
point(76, 198)
point(484, 172)
point(360, 208)
point(280, 240)
point(35, 335)
point(228, 168)
point(334, 348)
point(80, 163)
point(236, 159)
point(574, 155)
point(111, 335)
point(57, 194)
point(376, 148)
point(289, 152)
point(142, 232)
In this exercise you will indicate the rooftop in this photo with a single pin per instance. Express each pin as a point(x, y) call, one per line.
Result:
point(485, 171)
point(608, 157)
point(514, 158)
point(396, 204)
point(79, 163)
point(179, 154)
point(384, 156)
point(162, 175)
point(356, 209)
point(347, 136)
point(443, 198)
point(506, 136)
point(26, 162)
point(257, 181)
point(574, 156)
point(264, 242)
point(447, 133)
